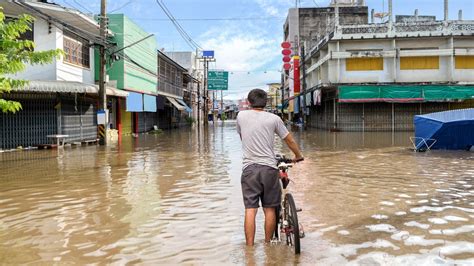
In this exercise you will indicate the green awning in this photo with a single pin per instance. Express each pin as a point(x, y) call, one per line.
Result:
point(409, 93)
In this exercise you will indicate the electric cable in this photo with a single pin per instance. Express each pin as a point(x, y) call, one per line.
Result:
point(122, 6)
point(178, 27)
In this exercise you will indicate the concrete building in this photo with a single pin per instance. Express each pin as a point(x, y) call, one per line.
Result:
point(376, 77)
point(173, 81)
point(133, 69)
point(61, 97)
point(274, 97)
point(193, 94)
point(305, 27)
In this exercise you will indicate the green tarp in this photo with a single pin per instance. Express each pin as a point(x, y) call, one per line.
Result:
point(409, 93)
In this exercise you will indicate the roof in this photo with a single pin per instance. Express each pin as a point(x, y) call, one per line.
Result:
point(68, 87)
point(72, 19)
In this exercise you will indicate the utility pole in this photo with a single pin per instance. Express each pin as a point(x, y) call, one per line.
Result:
point(102, 90)
point(206, 61)
point(303, 68)
point(199, 104)
point(206, 92)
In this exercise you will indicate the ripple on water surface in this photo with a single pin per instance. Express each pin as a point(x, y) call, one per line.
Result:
point(175, 198)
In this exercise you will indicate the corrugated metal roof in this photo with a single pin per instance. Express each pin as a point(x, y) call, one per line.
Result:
point(59, 86)
point(68, 87)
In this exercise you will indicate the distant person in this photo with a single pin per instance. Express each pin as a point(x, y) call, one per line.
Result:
point(260, 176)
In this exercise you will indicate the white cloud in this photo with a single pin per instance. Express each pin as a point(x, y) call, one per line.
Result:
point(275, 7)
point(247, 52)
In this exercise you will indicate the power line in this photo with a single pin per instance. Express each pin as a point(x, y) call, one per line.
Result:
point(213, 19)
point(81, 5)
point(122, 6)
point(178, 27)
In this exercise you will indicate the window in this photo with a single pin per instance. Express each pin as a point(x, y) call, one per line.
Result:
point(419, 62)
point(364, 64)
point(464, 62)
point(76, 50)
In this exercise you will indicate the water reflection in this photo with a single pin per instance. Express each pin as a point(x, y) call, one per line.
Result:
point(175, 198)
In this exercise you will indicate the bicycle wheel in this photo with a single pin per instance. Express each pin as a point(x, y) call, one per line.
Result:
point(277, 222)
point(293, 232)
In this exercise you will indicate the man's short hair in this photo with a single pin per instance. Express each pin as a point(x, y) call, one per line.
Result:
point(257, 98)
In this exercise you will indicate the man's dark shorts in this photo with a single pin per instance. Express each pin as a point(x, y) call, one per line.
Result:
point(260, 182)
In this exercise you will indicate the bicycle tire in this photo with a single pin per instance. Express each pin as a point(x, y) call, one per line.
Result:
point(293, 235)
point(277, 221)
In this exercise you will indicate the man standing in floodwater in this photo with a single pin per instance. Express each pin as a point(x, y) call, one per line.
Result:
point(260, 176)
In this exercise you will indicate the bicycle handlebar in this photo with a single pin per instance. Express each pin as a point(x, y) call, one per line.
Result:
point(283, 159)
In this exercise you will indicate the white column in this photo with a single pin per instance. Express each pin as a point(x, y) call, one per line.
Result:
point(445, 10)
point(451, 59)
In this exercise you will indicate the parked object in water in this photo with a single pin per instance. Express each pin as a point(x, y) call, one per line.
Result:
point(449, 130)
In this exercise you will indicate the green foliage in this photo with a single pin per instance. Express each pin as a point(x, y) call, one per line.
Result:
point(190, 120)
point(15, 54)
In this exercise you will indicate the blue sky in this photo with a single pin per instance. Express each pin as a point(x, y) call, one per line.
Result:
point(247, 48)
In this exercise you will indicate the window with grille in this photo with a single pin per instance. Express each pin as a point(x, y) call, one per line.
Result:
point(76, 50)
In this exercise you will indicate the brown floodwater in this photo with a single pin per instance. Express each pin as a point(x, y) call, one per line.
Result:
point(175, 198)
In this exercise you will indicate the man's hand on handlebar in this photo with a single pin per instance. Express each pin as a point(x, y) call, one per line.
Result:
point(298, 159)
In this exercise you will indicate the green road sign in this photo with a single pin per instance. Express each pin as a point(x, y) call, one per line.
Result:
point(217, 80)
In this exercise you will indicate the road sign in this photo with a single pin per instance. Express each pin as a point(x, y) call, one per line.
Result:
point(208, 54)
point(217, 80)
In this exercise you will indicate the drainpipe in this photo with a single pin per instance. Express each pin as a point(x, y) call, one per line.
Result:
point(445, 10)
point(460, 14)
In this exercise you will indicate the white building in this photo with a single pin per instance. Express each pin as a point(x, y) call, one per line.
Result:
point(377, 76)
point(62, 96)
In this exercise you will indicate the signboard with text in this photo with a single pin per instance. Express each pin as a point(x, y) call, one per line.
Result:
point(217, 80)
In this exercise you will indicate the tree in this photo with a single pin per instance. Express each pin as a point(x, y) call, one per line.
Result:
point(15, 53)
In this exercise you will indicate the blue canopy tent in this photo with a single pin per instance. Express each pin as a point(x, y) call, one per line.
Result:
point(449, 130)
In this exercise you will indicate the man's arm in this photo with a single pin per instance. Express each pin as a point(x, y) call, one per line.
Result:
point(290, 141)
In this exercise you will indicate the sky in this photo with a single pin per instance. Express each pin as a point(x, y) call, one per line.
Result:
point(245, 34)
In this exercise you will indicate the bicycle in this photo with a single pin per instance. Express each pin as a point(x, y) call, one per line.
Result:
point(287, 219)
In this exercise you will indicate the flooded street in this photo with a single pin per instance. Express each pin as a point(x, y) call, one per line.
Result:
point(175, 198)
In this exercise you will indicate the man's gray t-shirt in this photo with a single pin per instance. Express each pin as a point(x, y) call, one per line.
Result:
point(257, 130)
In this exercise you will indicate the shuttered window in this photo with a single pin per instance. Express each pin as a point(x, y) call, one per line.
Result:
point(464, 62)
point(419, 62)
point(364, 64)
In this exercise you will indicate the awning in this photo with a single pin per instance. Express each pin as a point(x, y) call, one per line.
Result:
point(409, 93)
point(134, 102)
point(175, 103)
point(149, 103)
point(186, 107)
point(68, 87)
point(116, 92)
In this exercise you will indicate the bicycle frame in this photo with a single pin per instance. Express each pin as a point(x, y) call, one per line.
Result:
point(283, 168)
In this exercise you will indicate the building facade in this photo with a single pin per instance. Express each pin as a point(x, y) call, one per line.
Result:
point(173, 84)
point(193, 93)
point(274, 97)
point(376, 77)
point(304, 27)
point(132, 68)
point(61, 97)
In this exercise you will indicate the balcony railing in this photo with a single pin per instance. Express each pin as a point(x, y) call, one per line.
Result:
point(170, 89)
point(383, 30)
